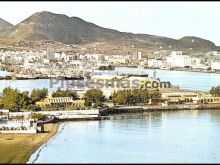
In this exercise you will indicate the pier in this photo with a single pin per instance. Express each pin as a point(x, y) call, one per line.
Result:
point(154, 108)
point(72, 115)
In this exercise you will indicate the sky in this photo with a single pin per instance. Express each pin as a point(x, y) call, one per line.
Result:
point(169, 19)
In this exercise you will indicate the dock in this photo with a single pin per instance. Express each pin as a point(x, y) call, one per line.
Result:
point(157, 108)
point(72, 115)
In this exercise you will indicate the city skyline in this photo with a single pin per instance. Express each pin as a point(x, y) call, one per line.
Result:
point(168, 19)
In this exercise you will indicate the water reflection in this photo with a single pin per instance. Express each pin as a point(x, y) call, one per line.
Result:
point(178, 136)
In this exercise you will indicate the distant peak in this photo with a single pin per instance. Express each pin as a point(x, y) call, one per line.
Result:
point(43, 13)
point(4, 24)
point(48, 13)
point(2, 20)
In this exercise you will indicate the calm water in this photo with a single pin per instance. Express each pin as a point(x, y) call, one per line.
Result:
point(188, 80)
point(182, 136)
point(29, 85)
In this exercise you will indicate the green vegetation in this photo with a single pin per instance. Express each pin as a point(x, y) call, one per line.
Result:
point(14, 100)
point(135, 97)
point(94, 97)
point(215, 91)
point(65, 93)
point(39, 94)
point(74, 107)
point(33, 108)
point(38, 116)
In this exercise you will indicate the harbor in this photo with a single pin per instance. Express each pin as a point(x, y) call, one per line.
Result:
point(95, 83)
point(161, 130)
point(156, 108)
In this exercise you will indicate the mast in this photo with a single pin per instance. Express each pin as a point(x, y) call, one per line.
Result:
point(155, 73)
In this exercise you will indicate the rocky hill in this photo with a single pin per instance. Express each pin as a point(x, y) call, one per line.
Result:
point(73, 30)
point(4, 25)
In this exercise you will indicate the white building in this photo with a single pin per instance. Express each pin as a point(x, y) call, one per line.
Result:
point(213, 53)
point(215, 65)
point(177, 59)
point(158, 63)
point(139, 56)
point(58, 56)
point(5, 59)
point(196, 63)
point(41, 68)
point(94, 57)
point(50, 55)
point(176, 53)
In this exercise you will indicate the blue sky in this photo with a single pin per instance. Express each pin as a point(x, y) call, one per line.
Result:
point(170, 19)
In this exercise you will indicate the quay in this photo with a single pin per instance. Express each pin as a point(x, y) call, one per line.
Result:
point(23, 119)
point(21, 122)
point(154, 108)
point(62, 115)
point(74, 115)
point(39, 77)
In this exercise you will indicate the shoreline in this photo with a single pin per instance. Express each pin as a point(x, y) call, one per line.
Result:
point(197, 71)
point(181, 70)
point(142, 109)
point(42, 145)
point(52, 133)
point(120, 111)
point(28, 144)
point(8, 77)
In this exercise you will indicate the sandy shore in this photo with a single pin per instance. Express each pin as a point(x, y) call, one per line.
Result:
point(17, 148)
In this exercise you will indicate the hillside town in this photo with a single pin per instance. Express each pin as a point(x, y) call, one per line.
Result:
point(50, 63)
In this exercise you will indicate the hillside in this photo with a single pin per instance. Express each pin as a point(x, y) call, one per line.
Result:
point(73, 30)
point(4, 25)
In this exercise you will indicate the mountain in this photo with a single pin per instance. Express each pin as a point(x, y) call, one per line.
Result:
point(73, 30)
point(4, 25)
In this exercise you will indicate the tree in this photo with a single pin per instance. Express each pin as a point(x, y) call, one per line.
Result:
point(120, 97)
point(14, 100)
point(155, 96)
point(94, 96)
point(215, 91)
point(11, 99)
point(145, 95)
point(25, 100)
point(33, 107)
point(38, 116)
point(65, 93)
point(135, 96)
point(39, 94)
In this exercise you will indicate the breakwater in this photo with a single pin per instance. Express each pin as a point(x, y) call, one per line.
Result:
point(154, 108)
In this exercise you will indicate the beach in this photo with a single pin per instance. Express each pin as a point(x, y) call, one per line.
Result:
point(17, 148)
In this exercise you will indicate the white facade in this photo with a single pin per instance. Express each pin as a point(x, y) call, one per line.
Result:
point(5, 59)
point(176, 53)
point(155, 63)
point(215, 65)
point(179, 60)
point(213, 53)
point(139, 55)
point(197, 63)
point(50, 55)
